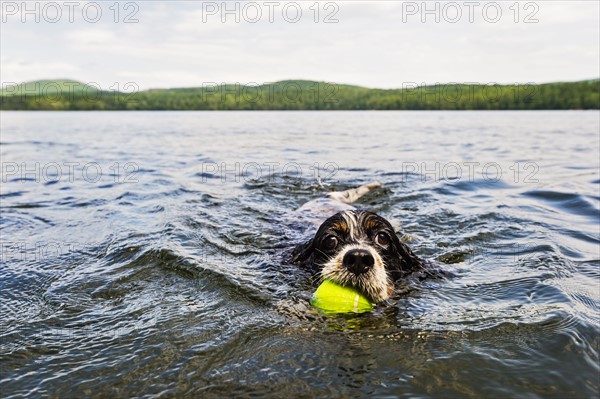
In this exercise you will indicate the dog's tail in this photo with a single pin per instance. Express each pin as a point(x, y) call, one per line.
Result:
point(349, 196)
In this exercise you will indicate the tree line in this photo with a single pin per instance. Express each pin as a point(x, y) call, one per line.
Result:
point(304, 95)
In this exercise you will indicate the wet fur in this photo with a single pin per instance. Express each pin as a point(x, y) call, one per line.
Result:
point(357, 229)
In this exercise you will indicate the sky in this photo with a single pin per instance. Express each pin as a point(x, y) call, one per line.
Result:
point(383, 44)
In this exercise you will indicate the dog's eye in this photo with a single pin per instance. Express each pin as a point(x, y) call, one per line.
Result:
point(330, 243)
point(382, 239)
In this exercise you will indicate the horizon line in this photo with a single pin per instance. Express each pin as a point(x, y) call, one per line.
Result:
point(3, 85)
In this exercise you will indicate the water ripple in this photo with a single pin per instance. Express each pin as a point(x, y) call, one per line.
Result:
point(175, 284)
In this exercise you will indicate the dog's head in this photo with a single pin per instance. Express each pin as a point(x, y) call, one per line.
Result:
point(359, 249)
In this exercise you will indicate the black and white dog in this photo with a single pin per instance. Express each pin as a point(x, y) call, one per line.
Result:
point(355, 247)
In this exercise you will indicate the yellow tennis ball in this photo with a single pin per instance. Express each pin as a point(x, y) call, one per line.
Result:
point(332, 297)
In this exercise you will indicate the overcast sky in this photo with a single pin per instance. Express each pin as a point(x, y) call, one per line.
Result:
point(375, 44)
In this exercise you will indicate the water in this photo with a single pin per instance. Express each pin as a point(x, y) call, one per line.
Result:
point(139, 259)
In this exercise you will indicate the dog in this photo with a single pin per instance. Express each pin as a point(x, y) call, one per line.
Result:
point(354, 247)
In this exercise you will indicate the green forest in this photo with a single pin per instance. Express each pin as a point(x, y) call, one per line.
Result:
point(301, 95)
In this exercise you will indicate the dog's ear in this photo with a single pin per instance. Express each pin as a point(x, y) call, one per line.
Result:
point(407, 262)
point(303, 253)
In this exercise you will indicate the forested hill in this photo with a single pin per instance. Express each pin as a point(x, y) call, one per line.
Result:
point(300, 95)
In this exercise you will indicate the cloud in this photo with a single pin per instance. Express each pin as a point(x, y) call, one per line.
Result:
point(19, 70)
point(374, 44)
point(91, 37)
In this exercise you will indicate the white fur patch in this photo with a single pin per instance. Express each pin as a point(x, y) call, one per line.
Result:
point(375, 283)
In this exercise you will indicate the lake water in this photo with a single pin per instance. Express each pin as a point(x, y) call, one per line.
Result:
point(142, 254)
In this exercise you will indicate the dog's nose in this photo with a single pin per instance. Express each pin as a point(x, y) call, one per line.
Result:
point(358, 261)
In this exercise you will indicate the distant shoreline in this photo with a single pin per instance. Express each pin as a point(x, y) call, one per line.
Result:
point(294, 110)
point(301, 95)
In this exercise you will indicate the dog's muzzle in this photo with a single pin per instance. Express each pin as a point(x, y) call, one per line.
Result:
point(358, 261)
